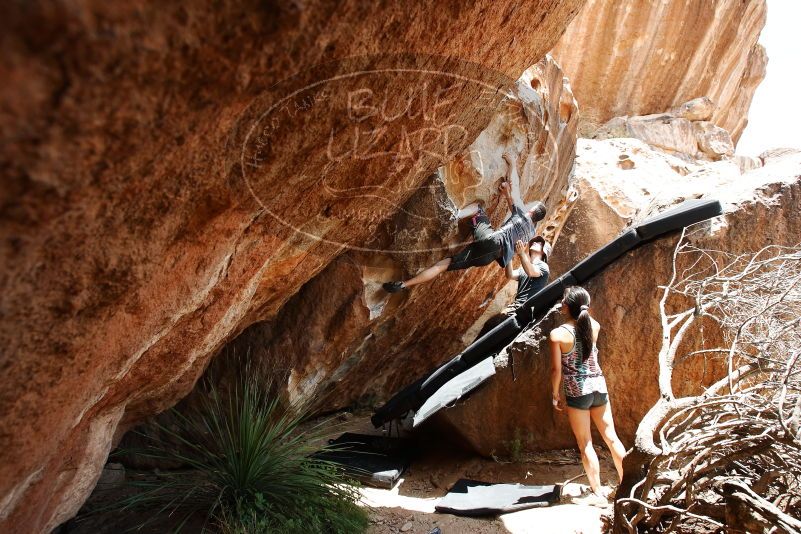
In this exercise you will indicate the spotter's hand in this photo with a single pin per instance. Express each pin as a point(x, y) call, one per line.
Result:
point(520, 248)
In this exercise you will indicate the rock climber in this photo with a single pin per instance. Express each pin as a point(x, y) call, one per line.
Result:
point(574, 362)
point(488, 244)
point(531, 277)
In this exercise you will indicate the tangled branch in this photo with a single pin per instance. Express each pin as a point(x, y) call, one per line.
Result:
point(729, 458)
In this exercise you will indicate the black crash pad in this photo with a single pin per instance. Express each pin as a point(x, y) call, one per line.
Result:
point(687, 213)
point(490, 343)
point(414, 395)
point(604, 256)
point(374, 460)
point(402, 402)
point(474, 498)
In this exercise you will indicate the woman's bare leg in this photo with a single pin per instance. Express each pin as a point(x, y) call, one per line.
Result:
point(429, 274)
point(602, 417)
point(580, 423)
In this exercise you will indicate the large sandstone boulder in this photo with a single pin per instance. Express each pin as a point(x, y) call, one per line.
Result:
point(640, 57)
point(174, 172)
point(761, 208)
point(676, 132)
point(342, 339)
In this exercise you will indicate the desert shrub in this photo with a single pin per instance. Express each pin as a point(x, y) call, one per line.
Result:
point(249, 467)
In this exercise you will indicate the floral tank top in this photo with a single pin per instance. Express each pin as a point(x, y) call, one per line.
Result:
point(581, 377)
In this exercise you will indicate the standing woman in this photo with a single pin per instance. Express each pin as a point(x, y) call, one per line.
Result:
point(574, 359)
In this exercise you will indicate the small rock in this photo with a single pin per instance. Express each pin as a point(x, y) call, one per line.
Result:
point(406, 526)
point(713, 140)
point(698, 109)
point(625, 163)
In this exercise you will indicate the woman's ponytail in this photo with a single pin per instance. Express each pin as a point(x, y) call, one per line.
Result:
point(578, 302)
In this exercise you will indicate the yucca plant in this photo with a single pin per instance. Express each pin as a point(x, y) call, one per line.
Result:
point(249, 468)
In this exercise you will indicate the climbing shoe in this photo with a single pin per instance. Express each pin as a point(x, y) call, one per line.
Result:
point(393, 287)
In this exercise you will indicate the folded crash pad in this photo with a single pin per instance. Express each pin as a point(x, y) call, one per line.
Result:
point(474, 498)
point(454, 389)
point(687, 213)
point(490, 343)
point(414, 395)
point(604, 256)
point(374, 460)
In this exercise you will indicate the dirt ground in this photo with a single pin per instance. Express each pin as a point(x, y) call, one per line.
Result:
point(409, 506)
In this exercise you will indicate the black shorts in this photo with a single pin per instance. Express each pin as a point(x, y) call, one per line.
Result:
point(476, 254)
point(590, 400)
point(483, 250)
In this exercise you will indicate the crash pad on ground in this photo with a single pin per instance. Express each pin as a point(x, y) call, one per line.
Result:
point(374, 460)
point(474, 498)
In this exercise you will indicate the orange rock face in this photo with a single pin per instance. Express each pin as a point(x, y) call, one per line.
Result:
point(760, 209)
point(163, 189)
point(342, 338)
point(634, 57)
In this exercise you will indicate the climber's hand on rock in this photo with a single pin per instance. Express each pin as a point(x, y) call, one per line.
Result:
point(505, 188)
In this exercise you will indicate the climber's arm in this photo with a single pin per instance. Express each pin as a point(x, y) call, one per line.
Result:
point(506, 190)
point(529, 268)
point(511, 274)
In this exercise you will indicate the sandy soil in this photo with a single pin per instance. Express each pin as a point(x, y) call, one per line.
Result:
point(410, 505)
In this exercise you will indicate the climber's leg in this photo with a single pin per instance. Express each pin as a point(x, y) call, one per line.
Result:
point(482, 251)
point(476, 254)
point(469, 210)
point(429, 274)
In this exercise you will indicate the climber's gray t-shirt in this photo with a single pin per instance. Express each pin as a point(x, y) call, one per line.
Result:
point(518, 227)
point(528, 286)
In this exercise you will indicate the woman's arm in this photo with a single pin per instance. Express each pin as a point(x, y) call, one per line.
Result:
point(556, 372)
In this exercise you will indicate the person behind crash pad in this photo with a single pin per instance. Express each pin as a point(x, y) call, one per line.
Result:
point(531, 277)
point(533, 273)
point(488, 243)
